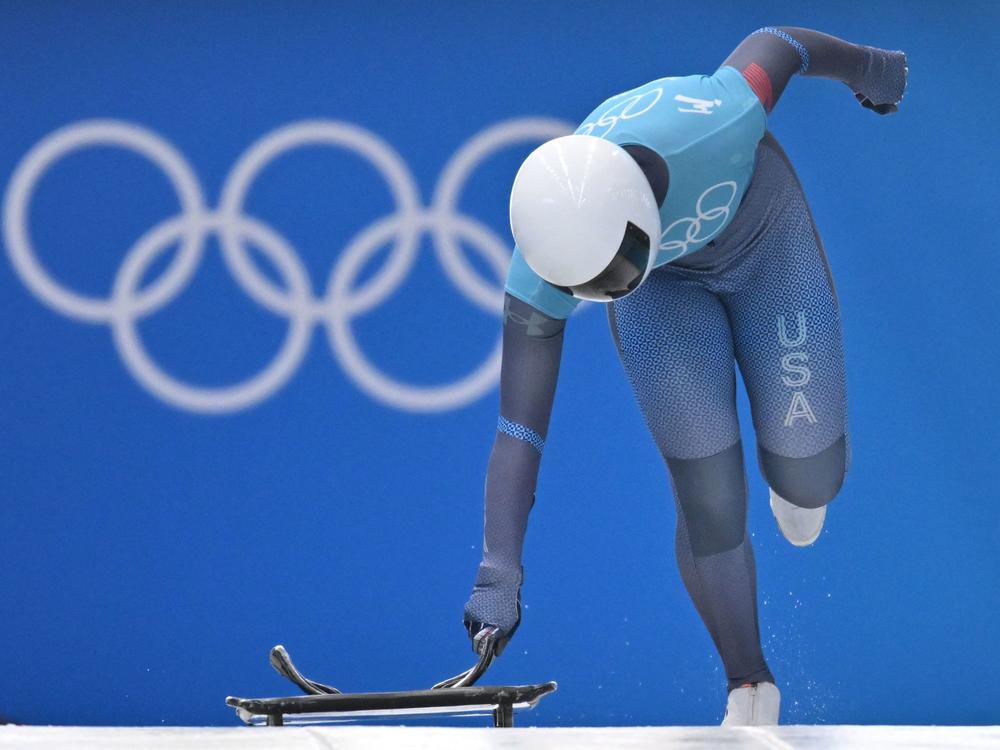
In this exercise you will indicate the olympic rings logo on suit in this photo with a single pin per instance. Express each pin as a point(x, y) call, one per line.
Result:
point(693, 224)
point(624, 109)
point(128, 302)
point(671, 248)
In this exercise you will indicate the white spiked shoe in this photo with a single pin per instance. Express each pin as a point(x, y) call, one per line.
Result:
point(801, 526)
point(753, 705)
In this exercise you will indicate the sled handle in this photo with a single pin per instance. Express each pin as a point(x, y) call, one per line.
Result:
point(485, 644)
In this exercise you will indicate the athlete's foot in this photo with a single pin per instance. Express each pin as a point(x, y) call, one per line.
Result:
point(801, 526)
point(753, 705)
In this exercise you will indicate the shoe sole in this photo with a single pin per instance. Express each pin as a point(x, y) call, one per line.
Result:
point(798, 542)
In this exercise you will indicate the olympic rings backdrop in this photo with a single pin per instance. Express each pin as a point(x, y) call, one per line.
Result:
point(252, 283)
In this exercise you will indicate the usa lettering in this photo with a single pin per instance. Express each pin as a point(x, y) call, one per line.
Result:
point(795, 369)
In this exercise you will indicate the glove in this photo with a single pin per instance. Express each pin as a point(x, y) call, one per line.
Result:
point(884, 80)
point(495, 602)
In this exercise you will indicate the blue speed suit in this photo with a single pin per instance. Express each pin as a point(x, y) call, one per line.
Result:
point(741, 278)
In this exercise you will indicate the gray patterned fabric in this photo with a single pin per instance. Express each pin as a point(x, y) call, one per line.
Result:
point(532, 347)
point(884, 79)
point(495, 600)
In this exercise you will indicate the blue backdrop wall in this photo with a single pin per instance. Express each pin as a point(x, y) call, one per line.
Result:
point(244, 402)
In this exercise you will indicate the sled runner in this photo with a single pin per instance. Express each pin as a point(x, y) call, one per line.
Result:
point(326, 704)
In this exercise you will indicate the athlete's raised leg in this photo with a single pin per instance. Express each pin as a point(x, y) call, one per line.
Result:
point(786, 324)
point(675, 344)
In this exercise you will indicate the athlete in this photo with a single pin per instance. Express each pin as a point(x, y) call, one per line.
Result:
point(674, 205)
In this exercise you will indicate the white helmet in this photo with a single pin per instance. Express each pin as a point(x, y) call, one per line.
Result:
point(585, 218)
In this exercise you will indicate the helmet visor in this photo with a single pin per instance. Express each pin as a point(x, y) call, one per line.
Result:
point(623, 274)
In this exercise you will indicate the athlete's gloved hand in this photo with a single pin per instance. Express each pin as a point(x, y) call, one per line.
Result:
point(495, 602)
point(883, 81)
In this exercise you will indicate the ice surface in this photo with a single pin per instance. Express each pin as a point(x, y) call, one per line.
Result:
point(438, 738)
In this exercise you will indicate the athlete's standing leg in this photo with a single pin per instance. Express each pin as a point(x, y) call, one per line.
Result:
point(675, 343)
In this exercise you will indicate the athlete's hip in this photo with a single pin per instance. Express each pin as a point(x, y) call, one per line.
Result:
point(773, 188)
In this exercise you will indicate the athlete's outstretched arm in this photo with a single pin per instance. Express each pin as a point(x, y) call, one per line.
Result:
point(769, 57)
point(532, 348)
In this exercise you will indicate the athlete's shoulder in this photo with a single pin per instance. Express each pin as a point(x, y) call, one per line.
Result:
point(685, 106)
point(529, 287)
point(732, 85)
point(628, 105)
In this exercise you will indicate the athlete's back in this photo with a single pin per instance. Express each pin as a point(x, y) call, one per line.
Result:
point(706, 130)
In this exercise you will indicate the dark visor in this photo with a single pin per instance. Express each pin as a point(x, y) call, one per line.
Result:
point(624, 272)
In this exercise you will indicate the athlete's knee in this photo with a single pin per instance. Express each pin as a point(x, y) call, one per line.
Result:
point(711, 493)
point(809, 482)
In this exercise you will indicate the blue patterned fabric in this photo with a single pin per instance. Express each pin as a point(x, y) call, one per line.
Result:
point(520, 432)
point(768, 305)
point(674, 341)
point(799, 47)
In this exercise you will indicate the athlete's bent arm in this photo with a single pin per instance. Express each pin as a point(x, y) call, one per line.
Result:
point(532, 347)
point(769, 57)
